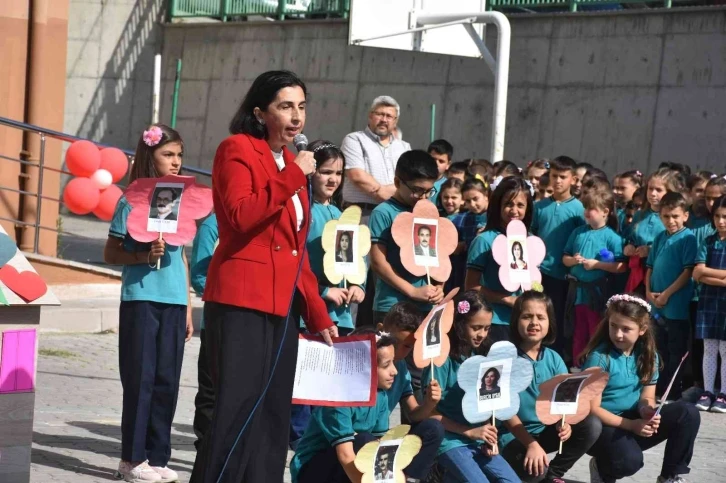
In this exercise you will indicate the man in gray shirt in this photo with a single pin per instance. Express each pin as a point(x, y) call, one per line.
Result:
point(371, 156)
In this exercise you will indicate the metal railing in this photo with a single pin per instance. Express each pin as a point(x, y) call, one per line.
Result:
point(40, 165)
point(225, 10)
point(575, 5)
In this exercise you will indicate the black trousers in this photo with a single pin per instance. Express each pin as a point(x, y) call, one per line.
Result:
point(243, 346)
point(694, 377)
point(584, 435)
point(150, 352)
point(672, 341)
point(619, 453)
point(557, 290)
point(204, 400)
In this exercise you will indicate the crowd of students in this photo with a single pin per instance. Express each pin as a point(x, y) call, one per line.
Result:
point(660, 239)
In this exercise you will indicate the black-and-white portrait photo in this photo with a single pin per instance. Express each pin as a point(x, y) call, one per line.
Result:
point(164, 207)
point(566, 394)
point(490, 383)
point(433, 334)
point(383, 465)
point(344, 247)
point(493, 385)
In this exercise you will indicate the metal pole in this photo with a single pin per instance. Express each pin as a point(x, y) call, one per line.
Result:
point(433, 122)
point(501, 76)
point(39, 198)
point(157, 90)
point(175, 98)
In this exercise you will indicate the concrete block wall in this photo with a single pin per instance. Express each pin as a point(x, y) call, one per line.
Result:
point(111, 47)
point(618, 89)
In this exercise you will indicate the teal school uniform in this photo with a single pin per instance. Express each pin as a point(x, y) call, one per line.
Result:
point(319, 216)
point(623, 224)
point(622, 393)
point(203, 247)
point(548, 365)
point(481, 259)
point(668, 257)
point(437, 184)
point(142, 282)
point(702, 229)
point(450, 403)
point(553, 221)
point(588, 243)
point(331, 426)
point(380, 225)
point(646, 226)
point(401, 387)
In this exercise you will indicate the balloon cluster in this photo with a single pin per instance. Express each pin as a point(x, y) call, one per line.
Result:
point(92, 190)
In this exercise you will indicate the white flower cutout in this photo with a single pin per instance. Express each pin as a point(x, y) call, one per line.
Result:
point(510, 375)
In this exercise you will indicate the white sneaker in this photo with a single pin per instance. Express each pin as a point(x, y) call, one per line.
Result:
point(594, 473)
point(167, 475)
point(141, 473)
point(672, 479)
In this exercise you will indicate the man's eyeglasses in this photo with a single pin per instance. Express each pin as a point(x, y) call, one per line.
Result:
point(420, 192)
point(384, 115)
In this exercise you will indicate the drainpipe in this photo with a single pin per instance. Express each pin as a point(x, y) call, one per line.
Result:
point(45, 94)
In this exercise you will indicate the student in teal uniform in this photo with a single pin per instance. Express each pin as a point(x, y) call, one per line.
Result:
point(527, 441)
point(334, 436)
point(624, 346)
point(710, 319)
point(647, 224)
point(443, 152)
point(450, 199)
point(401, 322)
point(415, 175)
point(327, 182)
point(511, 200)
point(590, 268)
point(154, 322)
point(624, 187)
point(203, 247)
point(469, 223)
point(465, 452)
point(553, 221)
point(669, 287)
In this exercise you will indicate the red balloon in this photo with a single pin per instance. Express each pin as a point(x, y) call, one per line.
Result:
point(81, 196)
point(107, 203)
point(115, 162)
point(83, 158)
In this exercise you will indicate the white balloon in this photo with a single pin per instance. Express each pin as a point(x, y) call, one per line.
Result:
point(102, 178)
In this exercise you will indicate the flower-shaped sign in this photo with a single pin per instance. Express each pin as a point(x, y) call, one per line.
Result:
point(426, 241)
point(492, 384)
point(570, 395)
point(383, 461)
point(432, 341)
point(518, 256)
point(26, 284)
point(168, 205)
point(346, 242)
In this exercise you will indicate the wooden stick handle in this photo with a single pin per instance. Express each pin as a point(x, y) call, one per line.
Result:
point(158, 260)
point(563, 425)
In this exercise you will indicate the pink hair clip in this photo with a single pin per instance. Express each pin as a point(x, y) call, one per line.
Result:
point(153, 136)
point(463, 307)
point(639, 173)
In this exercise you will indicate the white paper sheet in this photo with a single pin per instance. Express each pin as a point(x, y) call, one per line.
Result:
point(341, 373)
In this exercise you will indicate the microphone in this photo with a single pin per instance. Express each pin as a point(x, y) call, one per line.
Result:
point(301, 142)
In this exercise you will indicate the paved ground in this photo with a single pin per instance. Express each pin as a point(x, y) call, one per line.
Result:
point(76, 435)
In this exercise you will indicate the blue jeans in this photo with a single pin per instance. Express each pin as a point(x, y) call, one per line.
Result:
point(469, 465)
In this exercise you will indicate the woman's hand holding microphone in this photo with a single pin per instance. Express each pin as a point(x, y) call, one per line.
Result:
point(306, 162)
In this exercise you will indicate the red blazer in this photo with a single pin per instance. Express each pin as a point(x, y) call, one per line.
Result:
point(255, 263)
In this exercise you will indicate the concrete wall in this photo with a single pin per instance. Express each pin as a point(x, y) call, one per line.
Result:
point(111, 47)
point(619, 90)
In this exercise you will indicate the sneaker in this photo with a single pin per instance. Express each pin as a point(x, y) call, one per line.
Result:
point(672, 479)
point(167, 475)
point(140, 473)
point(594, 473)
point(705, 401)
point(719, 406)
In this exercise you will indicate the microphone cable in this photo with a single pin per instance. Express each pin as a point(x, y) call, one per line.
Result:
point(282, 341)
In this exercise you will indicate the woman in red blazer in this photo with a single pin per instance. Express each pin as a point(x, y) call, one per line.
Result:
point(261, 203)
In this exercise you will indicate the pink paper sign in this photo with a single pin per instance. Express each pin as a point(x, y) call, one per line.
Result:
point(169, 205)
point(17, 361)
point(518, 256)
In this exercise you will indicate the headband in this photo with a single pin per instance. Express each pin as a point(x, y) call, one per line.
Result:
point(382, 334)
point(628, 298)
point(481, 178)
point(324, 146)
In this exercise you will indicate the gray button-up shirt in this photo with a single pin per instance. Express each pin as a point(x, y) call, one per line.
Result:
point(363, 150)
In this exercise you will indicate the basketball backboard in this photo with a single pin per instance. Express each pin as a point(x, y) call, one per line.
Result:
point(373, 19)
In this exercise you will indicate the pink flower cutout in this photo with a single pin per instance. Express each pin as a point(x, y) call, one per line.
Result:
point(195, 203)
point(153, 136)
point(512, 275)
